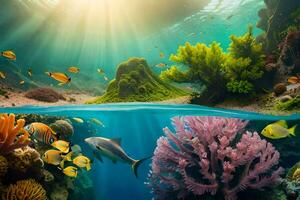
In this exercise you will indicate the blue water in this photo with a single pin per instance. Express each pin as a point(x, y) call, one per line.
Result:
point(139, 126)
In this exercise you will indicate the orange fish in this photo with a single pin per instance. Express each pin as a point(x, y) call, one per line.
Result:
point(60, 77)
point(293, 79)
point(9, 54)
point(161, 55)
point(41, 132)
point(74, 70)
point(161, 65)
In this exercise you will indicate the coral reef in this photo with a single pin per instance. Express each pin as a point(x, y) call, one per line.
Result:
point(44, 94)
point(59, 193)
point(3, 166)
point(136, 82)
point(291, 104)
point(31, 118)
point(12, 136)
point(48, 176)
point(63, 128)
point(211, 155)
point(25, 189)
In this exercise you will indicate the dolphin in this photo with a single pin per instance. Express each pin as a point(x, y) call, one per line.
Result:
point(111, 148)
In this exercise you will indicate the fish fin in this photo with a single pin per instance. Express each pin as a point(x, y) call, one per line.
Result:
point(68, 157)
point(88, 167)
point(281, 123)
point(292, 130)
point(136, 164)
point(98, 156)
point(62, 164)
point(117, 141)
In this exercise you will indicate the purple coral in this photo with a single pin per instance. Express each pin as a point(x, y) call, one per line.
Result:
point(211, 155)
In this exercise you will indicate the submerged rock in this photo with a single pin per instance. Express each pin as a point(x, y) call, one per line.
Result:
point(45, 95)
point(64, 129)
point(279, 89)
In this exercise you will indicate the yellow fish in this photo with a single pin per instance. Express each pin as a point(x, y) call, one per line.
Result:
point(74, 70)
point(53, 157)
point(61, 145)
point(2, 75)
point(296, 175)
point(9, 54)
point(29, 72)
point(97, 121)
point(161, 65)
point(161, 55)
point(70, 171)
point(22, 82)
point(67, 157)
point(83, 162)
point(78, 120)
point(278, 130)
point(60, 77)
point(100, 71)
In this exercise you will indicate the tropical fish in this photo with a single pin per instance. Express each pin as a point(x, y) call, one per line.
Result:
point(100, 71)
point(161, 55)
point(22, 82)
point(278, 130)
point(67, 157)
point(2, 75)
point(60, 77)
point(53, 157)
point(61, 145)
point(78, 120)
point(105, 78)
point(29, 72)
point(296, 174)
point(293, 80)
point(111, 148)
point(76, 149)
point(70, 171)
point(41, 132)
point(97, 122)
point(73, 69)
point(9, 54)
point(161, 65)
point(82, 162)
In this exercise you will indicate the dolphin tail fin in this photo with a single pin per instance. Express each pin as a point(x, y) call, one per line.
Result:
point(136, 164)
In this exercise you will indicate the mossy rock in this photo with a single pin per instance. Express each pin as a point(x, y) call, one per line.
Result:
point(135, 82)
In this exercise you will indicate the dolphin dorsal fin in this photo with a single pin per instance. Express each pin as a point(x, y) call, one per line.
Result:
point(117, 141)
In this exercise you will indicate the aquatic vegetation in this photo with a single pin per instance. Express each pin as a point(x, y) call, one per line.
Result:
point(25, 189)
point(292, 104)
point(3, 166)
point(12, 136)
point(279, 89)
point(136, 82)
point(211, 155)
point(245, 63)
point(291, 172)
point(45, 95)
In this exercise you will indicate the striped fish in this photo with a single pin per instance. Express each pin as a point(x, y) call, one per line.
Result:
point(41, 132)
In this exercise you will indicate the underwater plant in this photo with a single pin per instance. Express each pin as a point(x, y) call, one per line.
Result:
point(25, 189)
point(245, 63)
point(211, 156)
point(135, 82)
point(12, 136)
point(204, 66)
point(290, 104)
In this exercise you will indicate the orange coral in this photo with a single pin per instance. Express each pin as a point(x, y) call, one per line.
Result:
point(25, 190)
point(12, 136)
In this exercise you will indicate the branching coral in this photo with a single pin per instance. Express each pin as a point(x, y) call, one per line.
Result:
point(12, 136)
point(211, 155)
point(25, 190)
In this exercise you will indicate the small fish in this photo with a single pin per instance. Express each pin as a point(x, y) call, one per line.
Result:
point(278, 130)
point(41, 132)
point(60, 77)
point(293, 80)
point(73, 69)
point(296, 174)
point(161, 65)
point(29, 72)
point(21, 82)
point(2, 75)
point(67, 157)
point(78, 120)
point(97, 122)
point(9, 54)
point(82, 162)
point(76, 149)
point(70, 171)
point(111, 148)
point(53, 157)
point(161, 55)
point(100, 71)
point(229, 17)
point(105, 78)
point(61, 145)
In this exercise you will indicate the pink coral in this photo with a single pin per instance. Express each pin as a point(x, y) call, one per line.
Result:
point(211, 155)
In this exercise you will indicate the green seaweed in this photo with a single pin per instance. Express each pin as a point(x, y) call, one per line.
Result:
point(292, 104)
point(135, 82)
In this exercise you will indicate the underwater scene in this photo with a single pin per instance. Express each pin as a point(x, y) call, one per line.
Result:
point(145, 99)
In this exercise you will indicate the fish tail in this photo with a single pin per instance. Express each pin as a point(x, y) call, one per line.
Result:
point(292, 130)
point(62, 164)
point(136, 164)
point(88, 167)
point(68, 157)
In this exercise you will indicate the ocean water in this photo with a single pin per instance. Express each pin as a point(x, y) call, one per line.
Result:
point(139, 126)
